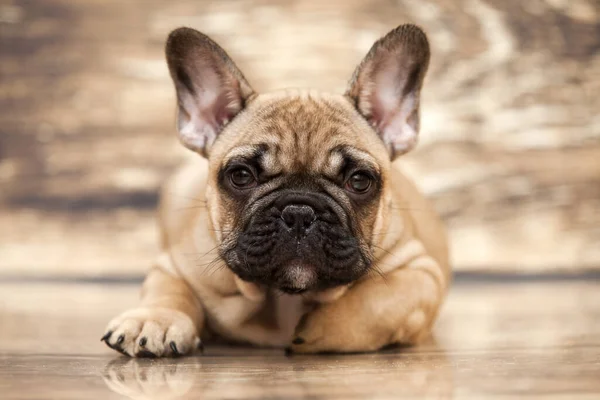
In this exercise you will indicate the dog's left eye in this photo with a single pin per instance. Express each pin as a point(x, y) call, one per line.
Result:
point(359, 183)
point(242, 178)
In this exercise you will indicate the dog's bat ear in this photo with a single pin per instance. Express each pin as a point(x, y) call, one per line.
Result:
point(211, 90)
point(385, 87)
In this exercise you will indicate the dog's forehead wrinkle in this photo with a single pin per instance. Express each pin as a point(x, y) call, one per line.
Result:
point(306, 127)
point(244, 152)
point(335, 163)
point(300, 129)
point(360, 157)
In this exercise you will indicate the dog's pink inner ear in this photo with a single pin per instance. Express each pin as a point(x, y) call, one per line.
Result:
point(387, 84)
point(210, 88)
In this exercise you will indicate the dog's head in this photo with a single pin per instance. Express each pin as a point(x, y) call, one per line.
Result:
point(298, 180)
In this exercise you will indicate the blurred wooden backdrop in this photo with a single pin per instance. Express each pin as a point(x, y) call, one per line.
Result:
point(510, 148)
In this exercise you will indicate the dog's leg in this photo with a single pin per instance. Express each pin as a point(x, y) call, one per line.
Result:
point(167, 323)
point(398, 307)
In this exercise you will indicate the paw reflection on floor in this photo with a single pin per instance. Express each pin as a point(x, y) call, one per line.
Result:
point(151, 378)
point(250, 373)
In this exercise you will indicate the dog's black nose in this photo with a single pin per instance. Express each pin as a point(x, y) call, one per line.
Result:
point(298, 217)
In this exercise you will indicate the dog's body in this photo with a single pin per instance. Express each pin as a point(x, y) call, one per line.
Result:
point(299, 230)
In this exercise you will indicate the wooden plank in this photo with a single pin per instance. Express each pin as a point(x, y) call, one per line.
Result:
point(510, 148)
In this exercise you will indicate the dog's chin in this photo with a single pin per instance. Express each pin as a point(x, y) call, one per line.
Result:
point(297, 277)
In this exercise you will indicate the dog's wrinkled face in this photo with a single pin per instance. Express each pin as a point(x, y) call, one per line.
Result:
point(298, 196)
point(298, 180)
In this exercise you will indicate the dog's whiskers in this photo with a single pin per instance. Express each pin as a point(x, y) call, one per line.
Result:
point(191, 208)
point(187, 197)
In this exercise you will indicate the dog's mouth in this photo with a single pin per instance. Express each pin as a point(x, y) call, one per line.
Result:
point(297, 265)
point(298, 277)
point(292, 290)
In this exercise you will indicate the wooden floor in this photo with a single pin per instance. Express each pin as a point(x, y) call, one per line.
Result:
point(493, 340)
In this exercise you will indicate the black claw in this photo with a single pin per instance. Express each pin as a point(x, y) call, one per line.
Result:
point(145, 354)
point(117, 345)
point(176, 352)
point(201, 347)
point(298, 340)
point(143, 341)
point(288, 351)
point(106, 336)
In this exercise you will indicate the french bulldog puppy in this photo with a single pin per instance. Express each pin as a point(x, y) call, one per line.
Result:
point(301, 233)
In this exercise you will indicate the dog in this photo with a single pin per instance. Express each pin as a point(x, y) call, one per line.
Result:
point(303, 234)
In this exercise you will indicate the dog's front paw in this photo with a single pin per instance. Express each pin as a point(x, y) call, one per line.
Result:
point(323, 330)
point(350, 326)
point(152, 332)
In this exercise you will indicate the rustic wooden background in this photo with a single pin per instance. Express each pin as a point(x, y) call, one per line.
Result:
point(510, 148)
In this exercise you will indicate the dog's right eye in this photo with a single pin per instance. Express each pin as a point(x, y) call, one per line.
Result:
point(242, 178)
point(359, 183)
